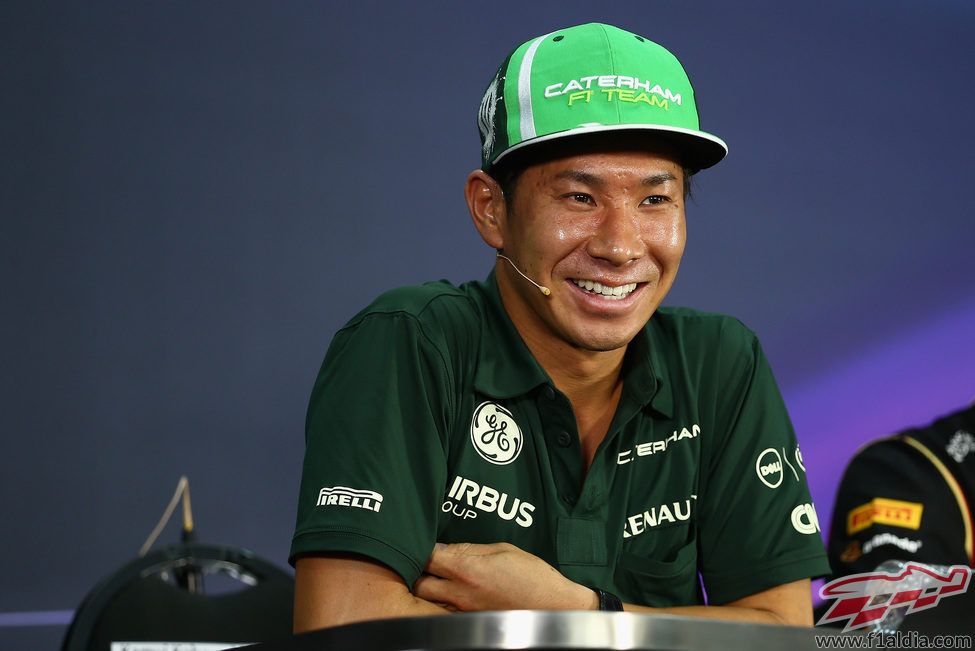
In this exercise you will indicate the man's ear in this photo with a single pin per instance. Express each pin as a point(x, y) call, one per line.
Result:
point(488, 209)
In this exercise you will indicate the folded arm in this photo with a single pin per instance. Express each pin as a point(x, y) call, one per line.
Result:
point(501, 576)
point(337, 589)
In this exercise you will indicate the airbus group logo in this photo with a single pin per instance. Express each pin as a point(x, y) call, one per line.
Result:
point(465, 493)
point(863, 599)
point(495, 434)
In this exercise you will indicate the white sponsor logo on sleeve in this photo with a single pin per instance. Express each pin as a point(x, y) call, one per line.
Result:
point(804, 519)
point(352, 497)
point(961, 445)
point(882, 539)
point(768, 467)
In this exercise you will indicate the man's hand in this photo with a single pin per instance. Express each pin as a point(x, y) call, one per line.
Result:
point(499, 576)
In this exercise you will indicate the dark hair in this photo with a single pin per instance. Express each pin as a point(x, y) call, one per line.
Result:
point(509, 170)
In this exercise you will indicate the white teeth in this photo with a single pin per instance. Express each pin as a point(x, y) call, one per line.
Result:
point(618, 292)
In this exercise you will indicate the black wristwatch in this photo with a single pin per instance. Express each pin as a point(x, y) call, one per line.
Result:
point(608, 601)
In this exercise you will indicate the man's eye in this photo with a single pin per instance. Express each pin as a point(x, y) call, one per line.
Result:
point(656, 199)
point(580, 197)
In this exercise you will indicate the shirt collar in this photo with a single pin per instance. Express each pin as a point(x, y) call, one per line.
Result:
point(505, 366)
point(644, 378)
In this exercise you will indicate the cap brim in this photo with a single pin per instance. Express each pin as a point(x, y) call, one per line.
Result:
point(698, 150)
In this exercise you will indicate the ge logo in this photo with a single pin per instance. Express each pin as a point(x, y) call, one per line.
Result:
point(495, 434)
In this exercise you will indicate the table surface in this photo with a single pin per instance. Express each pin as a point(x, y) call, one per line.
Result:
point(525, 629)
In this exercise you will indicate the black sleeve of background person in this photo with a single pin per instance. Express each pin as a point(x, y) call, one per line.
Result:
point(891, 469)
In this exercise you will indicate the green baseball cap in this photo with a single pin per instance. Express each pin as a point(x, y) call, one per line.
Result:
point(589, 79)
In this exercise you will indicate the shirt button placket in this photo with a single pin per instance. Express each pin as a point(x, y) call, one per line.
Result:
point(560, 439)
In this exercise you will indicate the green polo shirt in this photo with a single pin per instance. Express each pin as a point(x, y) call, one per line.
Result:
point(431, 421)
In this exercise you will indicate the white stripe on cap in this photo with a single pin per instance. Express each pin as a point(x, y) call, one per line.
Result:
point(527, 117)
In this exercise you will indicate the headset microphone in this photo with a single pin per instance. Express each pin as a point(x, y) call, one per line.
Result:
point(541, 288)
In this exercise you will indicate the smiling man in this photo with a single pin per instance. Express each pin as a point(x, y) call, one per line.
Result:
point(552, 438)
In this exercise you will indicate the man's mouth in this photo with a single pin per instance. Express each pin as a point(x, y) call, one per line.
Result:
point(605, 291)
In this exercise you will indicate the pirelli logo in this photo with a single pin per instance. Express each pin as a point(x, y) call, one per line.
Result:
point(345, 496)
point(884, 511)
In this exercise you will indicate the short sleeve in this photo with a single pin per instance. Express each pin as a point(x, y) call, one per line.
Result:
point(759, 527)
point(375, 461)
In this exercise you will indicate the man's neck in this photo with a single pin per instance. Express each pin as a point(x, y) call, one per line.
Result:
point(593, 383)
point(585, 376)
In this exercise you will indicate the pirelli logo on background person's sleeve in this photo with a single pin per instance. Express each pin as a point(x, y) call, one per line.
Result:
point(881, 510)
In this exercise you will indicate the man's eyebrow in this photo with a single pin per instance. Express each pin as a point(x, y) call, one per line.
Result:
point(581, 177)
point(591, 179)
point(659, 179)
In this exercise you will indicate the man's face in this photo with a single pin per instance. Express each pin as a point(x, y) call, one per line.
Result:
point(605, 232)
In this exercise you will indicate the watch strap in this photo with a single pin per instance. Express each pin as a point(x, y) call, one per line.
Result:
point(608, 601)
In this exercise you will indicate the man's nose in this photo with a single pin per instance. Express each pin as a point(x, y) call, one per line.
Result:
point(617, 239)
